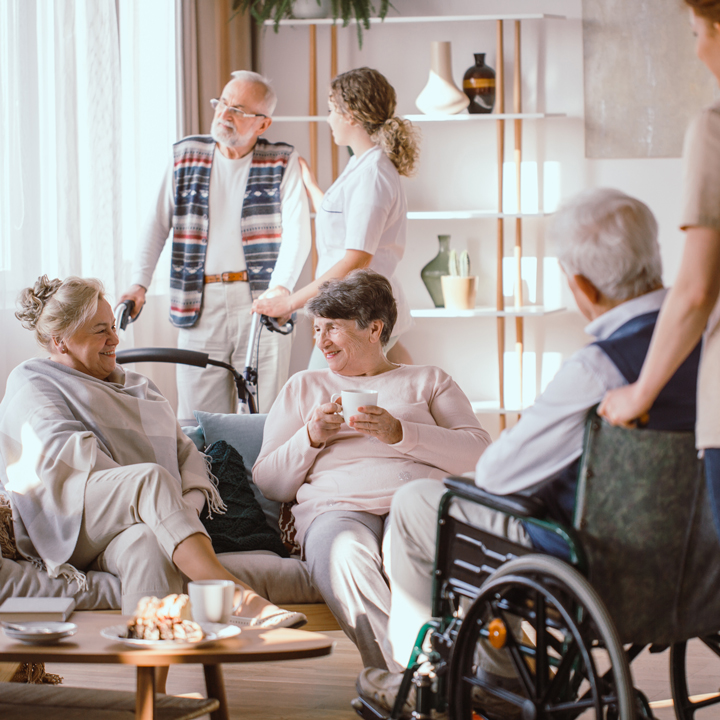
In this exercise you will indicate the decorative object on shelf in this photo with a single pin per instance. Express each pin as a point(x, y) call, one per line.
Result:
point(479, 85)
point(459, 288)
point(345, 10)
point(435, 269)
point(311, 8)
point(441, 95)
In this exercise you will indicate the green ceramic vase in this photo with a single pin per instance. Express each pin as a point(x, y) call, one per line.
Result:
point(435, 269)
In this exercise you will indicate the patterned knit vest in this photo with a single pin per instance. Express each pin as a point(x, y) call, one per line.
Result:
point(260, 228)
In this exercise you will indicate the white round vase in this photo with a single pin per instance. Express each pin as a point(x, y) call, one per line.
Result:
point(441, 95)
point(311, 9)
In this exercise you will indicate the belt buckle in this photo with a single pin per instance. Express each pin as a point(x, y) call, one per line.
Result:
point(225, 277)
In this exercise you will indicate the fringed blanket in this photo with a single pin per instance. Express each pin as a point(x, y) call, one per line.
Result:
point(57, 425)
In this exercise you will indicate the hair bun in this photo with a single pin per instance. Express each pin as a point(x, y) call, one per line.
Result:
point(32, 300)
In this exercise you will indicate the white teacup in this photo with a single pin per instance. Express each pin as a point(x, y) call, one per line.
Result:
point(213, 601)
point(354, 399)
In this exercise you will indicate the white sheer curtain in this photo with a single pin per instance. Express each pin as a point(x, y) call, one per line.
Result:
point(87, 118)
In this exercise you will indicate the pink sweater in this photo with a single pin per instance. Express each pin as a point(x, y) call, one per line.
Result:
point(441, 436)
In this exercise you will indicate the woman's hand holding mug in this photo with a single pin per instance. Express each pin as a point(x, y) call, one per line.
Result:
point(362, 413)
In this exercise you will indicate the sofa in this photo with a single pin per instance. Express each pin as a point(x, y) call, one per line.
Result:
point(284, 581)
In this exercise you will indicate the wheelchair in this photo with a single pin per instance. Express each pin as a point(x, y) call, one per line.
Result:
point(642, 569)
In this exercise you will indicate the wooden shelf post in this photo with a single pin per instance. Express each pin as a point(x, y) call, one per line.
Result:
point(500, 300)
point(517, 108)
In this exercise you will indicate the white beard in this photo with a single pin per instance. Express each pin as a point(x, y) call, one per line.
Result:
point(228, 135)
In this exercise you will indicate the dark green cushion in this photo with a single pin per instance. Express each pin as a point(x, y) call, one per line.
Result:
point(243, 526)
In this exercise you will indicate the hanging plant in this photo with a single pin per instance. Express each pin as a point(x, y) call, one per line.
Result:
point(345, 10)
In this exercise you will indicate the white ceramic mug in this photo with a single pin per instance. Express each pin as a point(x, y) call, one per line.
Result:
point(213, 601)
point(353, 399)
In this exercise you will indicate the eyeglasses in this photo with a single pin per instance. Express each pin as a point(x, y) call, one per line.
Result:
point(237, 112)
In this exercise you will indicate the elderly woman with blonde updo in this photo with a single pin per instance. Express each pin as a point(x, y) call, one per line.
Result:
point(97, 469)
point(361, 220)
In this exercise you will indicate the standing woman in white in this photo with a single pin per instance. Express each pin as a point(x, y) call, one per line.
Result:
point(362, 219)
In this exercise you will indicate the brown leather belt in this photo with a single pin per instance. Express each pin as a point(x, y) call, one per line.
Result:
point(227, 277)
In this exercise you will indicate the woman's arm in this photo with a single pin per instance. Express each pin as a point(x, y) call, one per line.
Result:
point(680, 326)
point(314, 192)
point(454, 444)
point(287, 305)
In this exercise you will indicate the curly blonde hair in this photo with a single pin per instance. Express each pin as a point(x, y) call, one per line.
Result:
point(365, 95)
point(707, 9)
point(57, 308)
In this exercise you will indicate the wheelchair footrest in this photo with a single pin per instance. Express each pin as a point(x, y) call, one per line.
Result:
point(368, 710)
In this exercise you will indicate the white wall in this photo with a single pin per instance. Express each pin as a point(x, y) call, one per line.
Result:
point(458, 164)
point(457, 171)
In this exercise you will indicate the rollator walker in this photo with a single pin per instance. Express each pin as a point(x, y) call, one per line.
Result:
point(643, 569)
point(245, 382)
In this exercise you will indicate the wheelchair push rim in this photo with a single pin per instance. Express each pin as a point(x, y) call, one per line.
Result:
point(689, 704)
point(574, 666)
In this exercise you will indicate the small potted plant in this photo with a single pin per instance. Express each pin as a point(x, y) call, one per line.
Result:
point(345, 10)
point(459, 287)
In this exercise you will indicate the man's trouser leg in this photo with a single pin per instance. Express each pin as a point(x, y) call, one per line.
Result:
point(344, 557)
point(412, 541)
point(223, 331)
point(124, 507)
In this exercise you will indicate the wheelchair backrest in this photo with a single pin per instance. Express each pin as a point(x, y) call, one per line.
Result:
point(645, 524)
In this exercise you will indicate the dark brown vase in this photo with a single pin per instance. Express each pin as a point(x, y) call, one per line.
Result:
point(479, 86)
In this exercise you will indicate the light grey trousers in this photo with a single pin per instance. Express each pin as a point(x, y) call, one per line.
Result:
point(344, 553)
point(412, 541)
point(134, 517)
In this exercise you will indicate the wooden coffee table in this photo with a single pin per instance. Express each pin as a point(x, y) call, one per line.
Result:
point(88, 646)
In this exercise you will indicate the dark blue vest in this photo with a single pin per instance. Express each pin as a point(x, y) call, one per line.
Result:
point(674, 409)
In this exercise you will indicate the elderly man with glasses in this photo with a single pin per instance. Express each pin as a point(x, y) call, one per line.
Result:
point(241, 230)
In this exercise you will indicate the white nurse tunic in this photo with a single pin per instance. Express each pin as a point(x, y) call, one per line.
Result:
point(365, 209)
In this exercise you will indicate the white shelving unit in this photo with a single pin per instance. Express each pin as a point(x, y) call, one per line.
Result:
point(518, 310)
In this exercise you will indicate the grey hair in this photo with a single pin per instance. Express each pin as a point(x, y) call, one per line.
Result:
point(362, 295)
point(270, 98)
point(611, 239)
point(58, 309)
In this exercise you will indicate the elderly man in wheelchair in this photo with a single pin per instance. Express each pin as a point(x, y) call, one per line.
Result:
point(578, 544)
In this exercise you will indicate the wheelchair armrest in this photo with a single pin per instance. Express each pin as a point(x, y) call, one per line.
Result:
point(517, 505)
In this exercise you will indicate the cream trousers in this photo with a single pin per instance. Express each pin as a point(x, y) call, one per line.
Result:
point(223, 331)
point(134, 517)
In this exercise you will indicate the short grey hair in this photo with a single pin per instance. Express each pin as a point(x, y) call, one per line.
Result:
point(270, 98)
point(363, 295)
point(611, 239)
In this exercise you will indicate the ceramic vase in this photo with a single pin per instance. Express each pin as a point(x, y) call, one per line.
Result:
point(435, 269)
point(459, 292)
point(311, 8)
point(441, 95)
point(479, 86)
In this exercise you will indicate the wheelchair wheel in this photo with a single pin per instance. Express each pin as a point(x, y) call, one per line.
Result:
point(541, 618)
point(696, 698)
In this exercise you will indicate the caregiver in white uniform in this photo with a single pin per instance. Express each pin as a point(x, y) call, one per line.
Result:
point(362, 219)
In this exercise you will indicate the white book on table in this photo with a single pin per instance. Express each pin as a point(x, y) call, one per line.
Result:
point(26, 609)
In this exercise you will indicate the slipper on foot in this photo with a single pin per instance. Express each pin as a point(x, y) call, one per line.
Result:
point(280, 619)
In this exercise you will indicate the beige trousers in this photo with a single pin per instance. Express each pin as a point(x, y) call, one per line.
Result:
point(223, 331)
point(412, 541)
point(134, 517)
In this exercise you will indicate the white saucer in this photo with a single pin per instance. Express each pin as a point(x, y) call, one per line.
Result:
point(213, 633)
point(40, 632)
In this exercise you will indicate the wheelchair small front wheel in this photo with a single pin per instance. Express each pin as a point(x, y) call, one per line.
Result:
point(539, 625)
point(696, 699)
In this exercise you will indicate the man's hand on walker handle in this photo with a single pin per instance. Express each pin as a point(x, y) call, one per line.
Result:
point(624, 406)
point(274, 303)
point(136, 293)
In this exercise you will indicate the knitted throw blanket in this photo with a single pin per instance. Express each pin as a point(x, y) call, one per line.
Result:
point(57, 425)
point(260, 227)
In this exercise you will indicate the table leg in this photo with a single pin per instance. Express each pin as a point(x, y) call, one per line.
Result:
point(215, 688)
point(145, 694)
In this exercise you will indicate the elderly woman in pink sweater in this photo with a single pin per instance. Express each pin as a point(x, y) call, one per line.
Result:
point(343, 475)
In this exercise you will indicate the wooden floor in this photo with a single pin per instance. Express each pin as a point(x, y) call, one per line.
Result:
point(322, 688)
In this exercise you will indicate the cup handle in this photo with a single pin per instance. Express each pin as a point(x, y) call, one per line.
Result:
point(335, 397)
point(240, 589)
